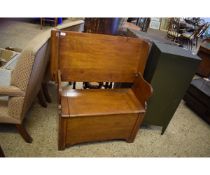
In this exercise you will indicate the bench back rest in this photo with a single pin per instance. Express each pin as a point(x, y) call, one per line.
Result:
point(87, 57)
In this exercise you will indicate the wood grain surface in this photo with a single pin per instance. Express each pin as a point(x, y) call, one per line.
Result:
point(92, 57)
point(100, 102)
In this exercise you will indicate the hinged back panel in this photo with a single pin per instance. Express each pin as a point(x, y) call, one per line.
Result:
point(97, 58)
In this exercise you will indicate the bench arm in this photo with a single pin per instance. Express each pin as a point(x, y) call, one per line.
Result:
point(142, 89)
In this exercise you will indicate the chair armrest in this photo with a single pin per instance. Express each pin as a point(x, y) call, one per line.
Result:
point(142, 89)
point(11, 91)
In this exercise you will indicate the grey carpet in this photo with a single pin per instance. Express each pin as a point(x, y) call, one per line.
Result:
point(186, 136)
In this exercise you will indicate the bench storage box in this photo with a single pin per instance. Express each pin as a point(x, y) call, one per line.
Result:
point(89, 115)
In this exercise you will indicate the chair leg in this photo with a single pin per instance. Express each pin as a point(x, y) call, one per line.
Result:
point(84, 85)
point(56, 22)
point(21, 129)
point(110, 85)
point(74, 85)
point(189, 45)
point(46, 92)
point(41, 21)
point(192, 43)
point(1, 152)
point(196, 43)
point(41, 98)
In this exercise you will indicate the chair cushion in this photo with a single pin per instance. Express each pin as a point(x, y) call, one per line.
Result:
point(22, 71)
point(15, 106)
point(4, 114)
point(187, 35)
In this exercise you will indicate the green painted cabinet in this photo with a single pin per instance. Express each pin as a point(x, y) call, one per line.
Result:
point(170, 70)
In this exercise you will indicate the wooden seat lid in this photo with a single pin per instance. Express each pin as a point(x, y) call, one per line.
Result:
point(99, 102)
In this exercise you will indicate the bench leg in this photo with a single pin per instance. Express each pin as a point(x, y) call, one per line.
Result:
point(61, 133)
point(135, 129)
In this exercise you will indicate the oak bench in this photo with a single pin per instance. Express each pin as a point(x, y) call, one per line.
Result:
point(87, 115)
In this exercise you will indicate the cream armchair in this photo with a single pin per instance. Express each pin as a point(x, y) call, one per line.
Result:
point(19, 88)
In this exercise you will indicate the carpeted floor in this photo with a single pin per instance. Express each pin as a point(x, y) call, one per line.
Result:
point(186, 136)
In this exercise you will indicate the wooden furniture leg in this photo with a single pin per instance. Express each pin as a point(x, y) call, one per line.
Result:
point(61, 134)
point(74, 85)
point(46, 92)
point(90, 85)
point(1, 152)
point(108, 85)
point(135, 129)
point(41, 98)
point(56, 22)
point(41, 21)
point(21, 129)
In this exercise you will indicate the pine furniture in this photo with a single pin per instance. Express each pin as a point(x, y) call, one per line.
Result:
point(88, 115)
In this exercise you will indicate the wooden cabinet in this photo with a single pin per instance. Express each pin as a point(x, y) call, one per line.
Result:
point(102, 25)
point(169, 70)
point(204, 53)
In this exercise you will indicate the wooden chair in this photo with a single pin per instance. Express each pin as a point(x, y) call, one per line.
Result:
point(192, 37)
point(87, 115)
point(174, 30)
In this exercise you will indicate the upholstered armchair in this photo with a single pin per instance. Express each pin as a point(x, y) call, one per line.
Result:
point(19, 88)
